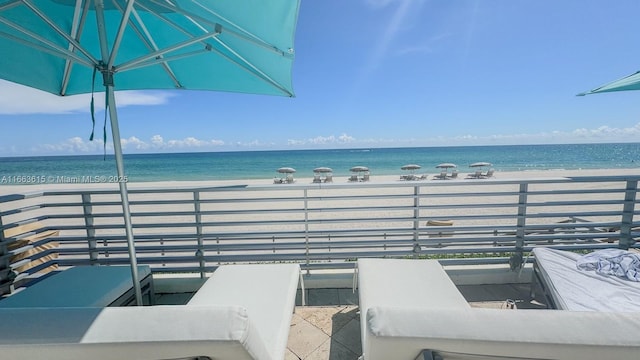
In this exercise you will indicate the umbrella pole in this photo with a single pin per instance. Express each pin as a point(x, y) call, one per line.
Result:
point(115, 130)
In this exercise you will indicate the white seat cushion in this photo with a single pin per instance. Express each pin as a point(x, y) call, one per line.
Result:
point(267, 291)
point(402, 333)
point(404, 283)
point(141, 333)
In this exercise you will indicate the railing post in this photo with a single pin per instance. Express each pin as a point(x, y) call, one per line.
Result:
point(515, 262)
point(87, 210)
point(416, 213)
point(198, 220)
point(306, 228)
point(627, 215)
point(416, 221)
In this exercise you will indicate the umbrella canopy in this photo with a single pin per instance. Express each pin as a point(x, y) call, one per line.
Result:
point(59, 46)
point(359, 169)
point(322, 169)
point(631, 82)
point(286, 170)
point(480, 164)
point(446, 166)
point(410, 167)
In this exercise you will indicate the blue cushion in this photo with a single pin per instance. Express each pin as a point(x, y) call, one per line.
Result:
point(79, 286)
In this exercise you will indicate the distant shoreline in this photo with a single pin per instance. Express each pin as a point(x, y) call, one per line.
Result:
point(7, 189)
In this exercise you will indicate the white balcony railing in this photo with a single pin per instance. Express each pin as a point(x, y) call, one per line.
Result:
point(329, 225)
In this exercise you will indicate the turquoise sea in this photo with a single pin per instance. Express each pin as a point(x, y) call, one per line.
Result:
point(381, 161)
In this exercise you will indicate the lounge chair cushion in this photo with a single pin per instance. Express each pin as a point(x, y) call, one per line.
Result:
point(79, 286)
point(268, 293)
point(402, 333)
point(404, 283)
point(156, 332)
point(579, 290)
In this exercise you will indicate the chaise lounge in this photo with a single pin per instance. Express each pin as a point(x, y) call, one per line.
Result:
point(241, 312)
point(410, 309)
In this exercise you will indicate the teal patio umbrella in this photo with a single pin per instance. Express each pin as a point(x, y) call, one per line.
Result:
point(631, 82)
point(68, 47)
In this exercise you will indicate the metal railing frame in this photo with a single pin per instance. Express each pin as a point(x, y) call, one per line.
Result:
point(323, 226)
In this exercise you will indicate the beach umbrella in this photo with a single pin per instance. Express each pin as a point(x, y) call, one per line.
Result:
point(631, 82)
point(410, 167)
point(480, 164)
point(322, 169)
point(68, 47)
point(359, 169)
point(446, 166)
point(286, 170)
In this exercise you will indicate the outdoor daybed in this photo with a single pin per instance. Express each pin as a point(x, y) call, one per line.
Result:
point(567, 288)
point(241, 312)
point(410, 309)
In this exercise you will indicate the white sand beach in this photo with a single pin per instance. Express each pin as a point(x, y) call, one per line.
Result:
point(6, 189)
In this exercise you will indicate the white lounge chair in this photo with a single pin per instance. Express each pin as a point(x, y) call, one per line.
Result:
point(402, 283)
point(266, 291)
point(241, 312)
point(410, 309)
point(405, 333)
point(476, 175)
point(442, 175)
point(489, 173)
point(141, 333)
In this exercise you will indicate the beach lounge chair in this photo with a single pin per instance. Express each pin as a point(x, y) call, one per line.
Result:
point(386, 283)
point(442, 175)
point(266, 291)
point(241, 312)
point(290, 179)
point(353, 178)
point(489, 173)
point(476, 175)
point(316, 179)
point(138, 332)
point(454, 174)
point(328, 178)
point(278, 181)
point(366, 177)
point(410, 309)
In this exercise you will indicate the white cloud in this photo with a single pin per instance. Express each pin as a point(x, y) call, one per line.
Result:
point(74, 145)
point(157, 143)
point(19, 99)
point(323, 140)
point(134, 142)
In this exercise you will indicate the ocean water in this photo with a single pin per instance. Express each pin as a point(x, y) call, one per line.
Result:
point(263, 164)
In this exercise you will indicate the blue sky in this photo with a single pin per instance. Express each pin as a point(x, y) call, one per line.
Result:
point(385, 73)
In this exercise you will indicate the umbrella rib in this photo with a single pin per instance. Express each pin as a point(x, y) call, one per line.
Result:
point(50, 48)
point(10, 5)
point(129, 64)
point(44, 18)
point(145, 36)
point(163, 60)
point(77, 26)
point(259, 73)
point(123, 24)
point(247, 34)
